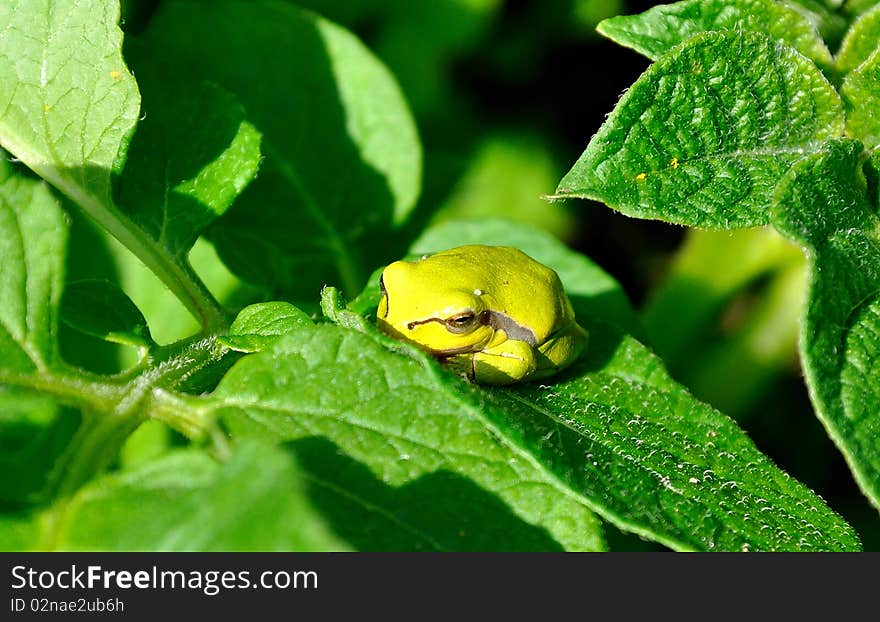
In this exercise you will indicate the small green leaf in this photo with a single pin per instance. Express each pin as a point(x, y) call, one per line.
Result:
point(343, 161)
point(705, 134)
point(184, 501)
point(860, 41)
point(861, 93)
point(823, 205)
point(260, 325)
point(33, 235)
point(101, 309)
point(661, 28)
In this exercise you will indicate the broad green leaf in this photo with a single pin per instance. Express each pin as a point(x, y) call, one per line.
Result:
point(860, 41)
point(401, 417)
point(439, 511)
point(259, 325)
point(69, 105)
point(68, 99)
point(651, 459)
point(416, 39)
point(704, 135)
point(342, 161)
point(661, 28)
point(33, 234)
point(192, 155)
point(269, 319)
point(861, 94)
point(823, 205)
point(101, 309)
point(615, 434)
point(184, 501)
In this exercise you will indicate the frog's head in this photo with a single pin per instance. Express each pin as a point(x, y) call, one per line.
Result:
point(425, 303)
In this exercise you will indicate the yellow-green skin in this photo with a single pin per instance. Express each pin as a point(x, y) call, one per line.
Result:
point(490, 312)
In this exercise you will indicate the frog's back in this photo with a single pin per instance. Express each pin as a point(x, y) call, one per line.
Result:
point(511, 282)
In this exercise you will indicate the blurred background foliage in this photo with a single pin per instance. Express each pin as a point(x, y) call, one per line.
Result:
point(506, 94)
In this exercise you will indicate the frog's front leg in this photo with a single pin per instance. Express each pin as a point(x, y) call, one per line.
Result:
point(560, 350)
point(505, 363)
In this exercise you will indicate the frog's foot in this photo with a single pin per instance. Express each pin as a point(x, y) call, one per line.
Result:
point(560, 350)
point(506, 363)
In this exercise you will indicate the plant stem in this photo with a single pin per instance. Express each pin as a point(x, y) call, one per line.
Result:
point(93, 448)
point(181, 413)
point(176, 275)
point(114, 407)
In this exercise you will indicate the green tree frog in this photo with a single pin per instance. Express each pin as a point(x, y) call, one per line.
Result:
point(490, 312)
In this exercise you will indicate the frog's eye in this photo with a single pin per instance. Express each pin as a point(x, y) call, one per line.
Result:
point(461, 323)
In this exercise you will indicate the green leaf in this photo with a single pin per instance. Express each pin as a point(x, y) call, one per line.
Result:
point(425, 38)
point(704, 135)
point(101, 309)
point(69, 106)
point(88, 258)
point(440, 511)
point(342, 162)
point(823, 205)
point(184, 501)
point(861, 94)
point(18, 532)
point(34, 431)
point(661, 28)
point(68, 100)
point(33, 235)
point(857, 7)
point(191, 156)
point(615, 434)
point(399, 416)
point(860, 41)
point(260, 325)
point(824, 16)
